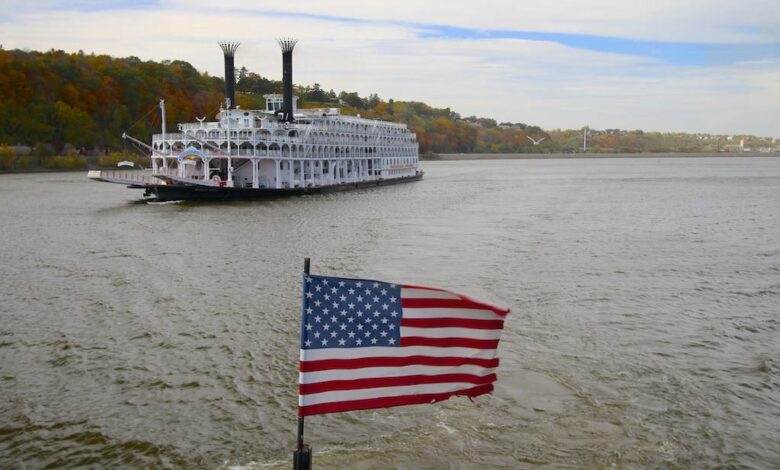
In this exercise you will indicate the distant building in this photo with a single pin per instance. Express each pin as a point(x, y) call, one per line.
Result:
point(20, 150)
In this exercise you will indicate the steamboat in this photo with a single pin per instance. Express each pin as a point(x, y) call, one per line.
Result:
point(277, 151)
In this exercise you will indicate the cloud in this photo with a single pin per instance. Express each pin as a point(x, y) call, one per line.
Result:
point(548, 81)
point(717, 21)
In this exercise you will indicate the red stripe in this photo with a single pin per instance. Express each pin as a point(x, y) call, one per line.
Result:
point(453, 323)
point(451, 303)
point(449, 342)
point(387, 402)
point(363, 362)
point(412, 286)
point(404, 380)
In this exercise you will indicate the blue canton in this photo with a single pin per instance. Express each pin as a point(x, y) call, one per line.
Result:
point(350, 313)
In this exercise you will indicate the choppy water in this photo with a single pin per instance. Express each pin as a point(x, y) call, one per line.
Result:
point(645, 329)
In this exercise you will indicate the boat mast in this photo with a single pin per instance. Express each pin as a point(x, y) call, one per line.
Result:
point(162, 111)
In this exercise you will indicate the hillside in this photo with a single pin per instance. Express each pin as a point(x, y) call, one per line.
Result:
point(61, 103)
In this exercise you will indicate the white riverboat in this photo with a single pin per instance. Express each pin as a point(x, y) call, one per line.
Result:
point(278, 151)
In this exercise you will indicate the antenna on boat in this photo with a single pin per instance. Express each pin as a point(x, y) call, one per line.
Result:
point(287, 45)
point(229, 49)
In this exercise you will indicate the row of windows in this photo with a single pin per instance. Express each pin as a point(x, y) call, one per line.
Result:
point(247, 148)
point(317, 136)
point(379, 164)
point(313, 136)
point(211, 145)
point(339, 124)
point(346, 125)
point(366, 167)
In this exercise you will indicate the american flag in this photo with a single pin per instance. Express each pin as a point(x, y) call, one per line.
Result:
point(371, 344)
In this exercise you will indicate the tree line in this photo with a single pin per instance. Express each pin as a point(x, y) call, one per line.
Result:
point(68, 109)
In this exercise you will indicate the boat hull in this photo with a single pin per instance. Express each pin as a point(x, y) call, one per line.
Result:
point(158, 192)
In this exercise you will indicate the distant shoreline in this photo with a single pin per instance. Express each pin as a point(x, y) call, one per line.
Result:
point(585, 156)
point(492, 156)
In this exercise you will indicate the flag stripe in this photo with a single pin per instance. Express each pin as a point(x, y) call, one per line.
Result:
point(397, 381)
point(387, 402)
point(369, 372)
point(450, 342)
point(450, 303)
point(382, 392)
point(452, 322)
point(449, 333)
point(426, 293)
point(367, 362)
point(397, 362)
point(309, 355)
point(467, 313)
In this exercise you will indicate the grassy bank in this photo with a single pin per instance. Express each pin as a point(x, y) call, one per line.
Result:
point(12, 163)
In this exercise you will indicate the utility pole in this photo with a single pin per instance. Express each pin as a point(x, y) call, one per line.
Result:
point(585, 131)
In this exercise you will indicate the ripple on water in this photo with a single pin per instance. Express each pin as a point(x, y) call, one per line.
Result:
point(642, 334)
point(72, 444)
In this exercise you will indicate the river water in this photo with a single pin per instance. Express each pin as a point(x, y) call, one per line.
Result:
point(644, 333)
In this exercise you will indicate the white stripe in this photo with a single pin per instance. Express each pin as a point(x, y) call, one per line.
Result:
point(368, 393)
point(470, 333)
point(383, 351)
point(412, 293)
point(374, 372)
point(467, 313)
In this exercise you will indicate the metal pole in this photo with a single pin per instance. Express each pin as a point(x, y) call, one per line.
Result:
point(302, 454)
point(229, 160)
point(162, 111)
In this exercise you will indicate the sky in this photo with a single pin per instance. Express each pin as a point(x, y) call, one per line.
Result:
point(709, 66)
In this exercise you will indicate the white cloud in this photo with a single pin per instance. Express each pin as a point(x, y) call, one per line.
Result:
point(530, 81)
point(719, 21)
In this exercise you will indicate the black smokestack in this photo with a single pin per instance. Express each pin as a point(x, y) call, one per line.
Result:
point(287, 46)
point(229, 48)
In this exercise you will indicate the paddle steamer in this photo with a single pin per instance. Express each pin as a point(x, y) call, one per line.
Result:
point(277, 151)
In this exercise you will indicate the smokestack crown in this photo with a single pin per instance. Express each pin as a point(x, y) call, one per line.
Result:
point(229, 48)
point(287, 44)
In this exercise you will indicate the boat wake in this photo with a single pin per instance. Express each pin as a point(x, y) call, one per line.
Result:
point(161, 203)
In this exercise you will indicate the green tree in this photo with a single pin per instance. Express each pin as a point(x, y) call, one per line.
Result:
point(75, 124)
point(7, 158)
point(352, 99)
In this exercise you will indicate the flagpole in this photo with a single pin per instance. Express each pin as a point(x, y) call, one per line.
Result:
point(302, 454)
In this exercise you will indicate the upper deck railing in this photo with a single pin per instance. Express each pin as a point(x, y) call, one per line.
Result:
point(238, 137)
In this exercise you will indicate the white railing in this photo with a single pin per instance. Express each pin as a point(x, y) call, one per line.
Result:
point(167, 171)
point(328, 138)
point(200, 126)
point(129, 176)
point(170, 138)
